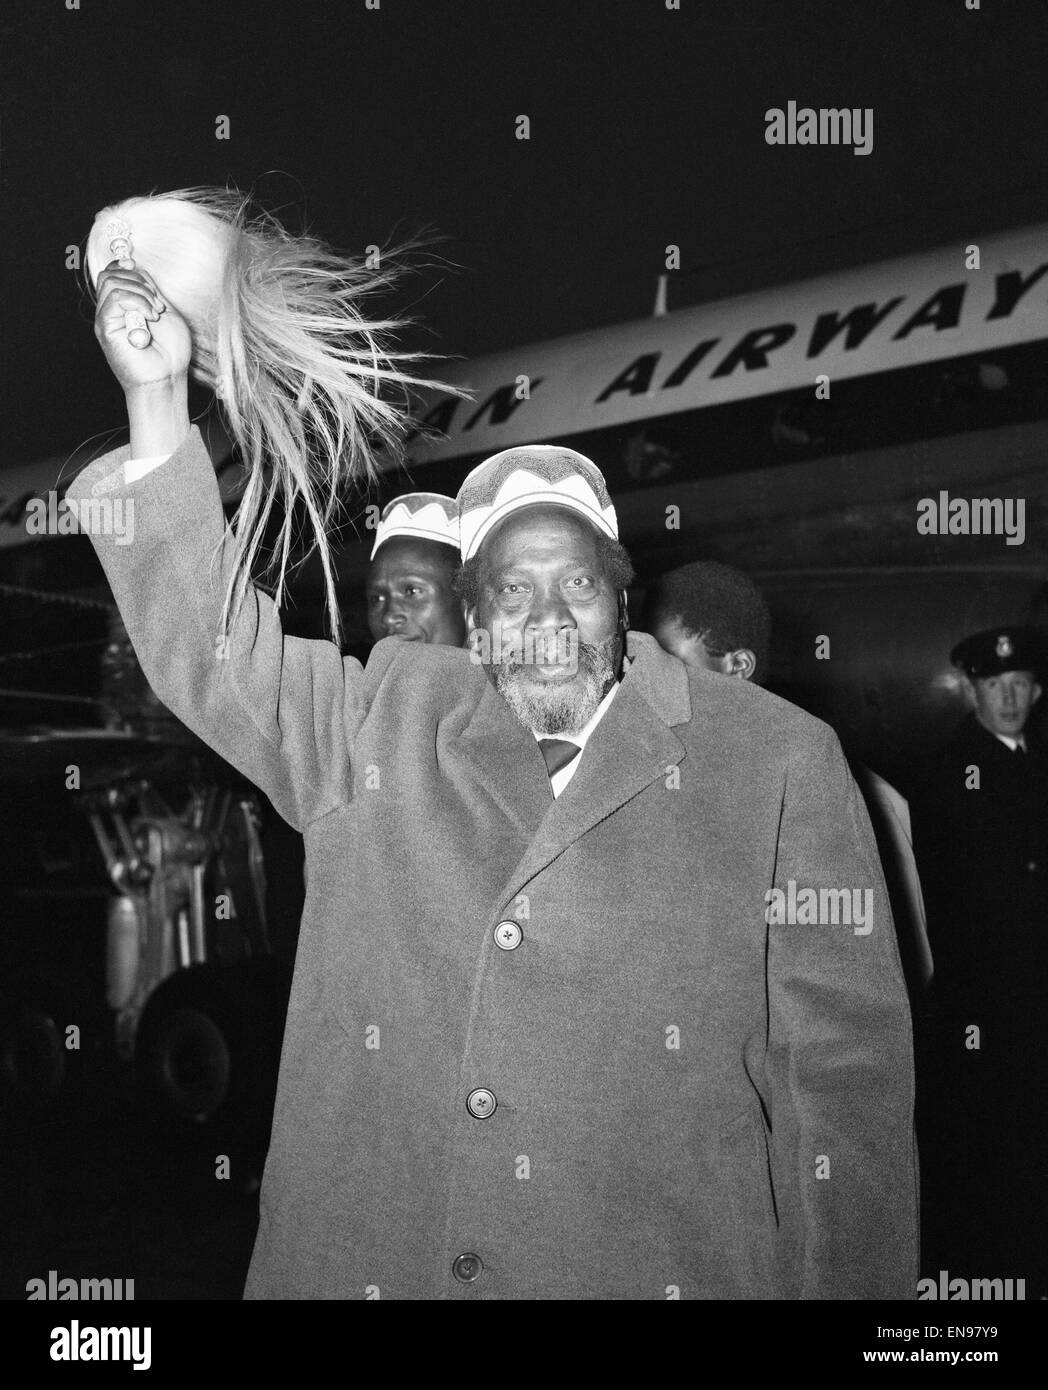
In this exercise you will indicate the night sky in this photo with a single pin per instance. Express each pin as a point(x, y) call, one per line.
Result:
point(647, 128)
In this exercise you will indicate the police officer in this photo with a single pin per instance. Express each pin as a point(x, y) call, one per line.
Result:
point(983, 838)
point(980, 821)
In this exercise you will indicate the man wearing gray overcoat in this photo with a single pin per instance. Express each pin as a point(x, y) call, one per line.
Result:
point(597, 994)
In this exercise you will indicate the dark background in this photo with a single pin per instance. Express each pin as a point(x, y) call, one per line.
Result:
point(647, 127)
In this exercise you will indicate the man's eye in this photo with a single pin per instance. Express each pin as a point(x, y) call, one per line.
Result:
point(580, 581)
point(511, 589)
point(411, 590)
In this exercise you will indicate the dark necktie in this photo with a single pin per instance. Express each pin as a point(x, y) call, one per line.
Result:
point(558, 752)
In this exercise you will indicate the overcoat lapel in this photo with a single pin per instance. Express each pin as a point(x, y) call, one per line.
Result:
point(504, 758)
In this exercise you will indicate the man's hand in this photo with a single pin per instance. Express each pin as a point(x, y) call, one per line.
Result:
point(122, 287)
point(154, 378)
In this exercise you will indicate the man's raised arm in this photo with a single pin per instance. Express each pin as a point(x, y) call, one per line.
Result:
point(277, 708)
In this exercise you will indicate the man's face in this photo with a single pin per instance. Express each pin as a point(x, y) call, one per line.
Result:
point(409, 592)
point(673, 637)
point(543, 588)
point(1003, 703)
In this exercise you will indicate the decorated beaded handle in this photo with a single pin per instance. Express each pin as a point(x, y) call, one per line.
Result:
point(119, 234)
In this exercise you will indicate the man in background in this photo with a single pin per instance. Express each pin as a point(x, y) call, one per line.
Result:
point(715, 618)
point(711, 616)
point(981, 836)
point(410, 585)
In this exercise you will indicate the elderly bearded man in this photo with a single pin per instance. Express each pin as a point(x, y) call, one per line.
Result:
point(542, 1042)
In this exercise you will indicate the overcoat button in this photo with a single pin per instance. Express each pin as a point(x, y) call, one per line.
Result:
point(508, 936)
point(481, 1103)
point(466, 1268)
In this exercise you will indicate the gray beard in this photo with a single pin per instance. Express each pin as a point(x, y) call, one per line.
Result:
point(560, 710)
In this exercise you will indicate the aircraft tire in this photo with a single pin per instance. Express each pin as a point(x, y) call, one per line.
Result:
point(206, 1057)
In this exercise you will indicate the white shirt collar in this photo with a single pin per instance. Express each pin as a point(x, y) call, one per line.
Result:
point(1012, 743)
point(560, 779)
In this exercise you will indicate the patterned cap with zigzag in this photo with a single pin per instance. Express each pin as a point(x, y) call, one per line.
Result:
point(426, 516)
point(525, 476)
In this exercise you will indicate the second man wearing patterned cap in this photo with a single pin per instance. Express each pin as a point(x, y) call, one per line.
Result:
point(410, 584)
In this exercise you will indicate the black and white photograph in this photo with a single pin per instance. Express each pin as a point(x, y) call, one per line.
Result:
point(523, 626)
